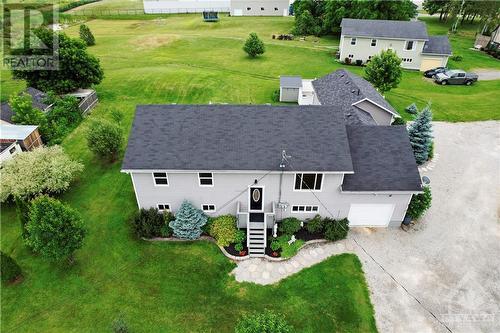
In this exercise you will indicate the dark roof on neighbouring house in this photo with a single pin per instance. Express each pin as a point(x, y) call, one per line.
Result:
point(437, 45)
point(383, 160)
point(5, 144)
point(344, 88)
point(237, 137)
point(384, 28)
point(6, 112)
point(290, 81)
point(38, 98)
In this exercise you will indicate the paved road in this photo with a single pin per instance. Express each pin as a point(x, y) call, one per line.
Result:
point(487, 74)
point(450, 261)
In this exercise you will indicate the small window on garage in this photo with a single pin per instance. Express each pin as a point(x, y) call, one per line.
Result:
point(261, 8)
point(208, 208)
point(351, 55)
point(249, 8)
point(374, 42)
point(304, 209)
point(353, 41)
point(164, 207)
point(160, 178)
point(275, 9)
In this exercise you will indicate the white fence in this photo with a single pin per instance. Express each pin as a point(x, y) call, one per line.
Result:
point(185, 6)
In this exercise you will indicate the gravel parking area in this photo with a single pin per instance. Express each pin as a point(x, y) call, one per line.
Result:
point(449, 261)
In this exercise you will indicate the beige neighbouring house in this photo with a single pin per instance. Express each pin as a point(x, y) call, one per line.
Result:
point(362, 39)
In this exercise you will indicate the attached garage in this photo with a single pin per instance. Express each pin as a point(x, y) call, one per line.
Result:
point(431, 62)
point(370, 215)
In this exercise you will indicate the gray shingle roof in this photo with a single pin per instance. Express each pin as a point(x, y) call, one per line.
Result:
point(290, 81)
point(6, 112)
point(237, 137)
point(383, 160)
point(38, 97)
point(343, 88)
point(384, 28)
point(437, 45)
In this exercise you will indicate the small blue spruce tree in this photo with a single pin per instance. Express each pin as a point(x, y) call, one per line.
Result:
point(420, 133)
point(188, 222)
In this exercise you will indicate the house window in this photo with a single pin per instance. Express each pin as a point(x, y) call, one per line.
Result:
point(208, 208)
point(160, 178)
point(275, 9)
point(353, 41)
point(409, 45)
point(308, 181)
point(249, 8)
point(298, 209)
point(12, 150)
point(374, 42)
point(163, 207)
point(206, 179)
point(351, 56)
point(261, 8)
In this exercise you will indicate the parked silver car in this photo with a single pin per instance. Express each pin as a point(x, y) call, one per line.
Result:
point(455, 76)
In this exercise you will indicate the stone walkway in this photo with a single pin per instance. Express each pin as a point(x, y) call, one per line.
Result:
point(264, 272)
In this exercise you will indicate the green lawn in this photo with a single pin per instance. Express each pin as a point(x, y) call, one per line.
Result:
point(186, 287)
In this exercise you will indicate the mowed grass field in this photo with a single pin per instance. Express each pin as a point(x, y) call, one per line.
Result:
point(187, 287)
point(170, 287)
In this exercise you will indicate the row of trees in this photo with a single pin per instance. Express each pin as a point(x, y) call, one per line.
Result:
point(487, 11)
point(318, 17)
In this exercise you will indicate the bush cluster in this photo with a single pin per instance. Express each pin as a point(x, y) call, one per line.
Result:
point(265, 322)
point(287, 250)
point(9, 269)
point(336, 229)
point(149, 223)
point(223, 229)
point(315, 225)
point(289, 226)
point(86, 35)
point(420, 203)
point(78, 3)
point(105, 139)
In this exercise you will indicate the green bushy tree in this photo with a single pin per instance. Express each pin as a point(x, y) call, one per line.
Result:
point(420, 203)
point(44, 170)
point(420, 133)
point(289, 226)
point(384, 71)
point(77, 68)
point(149, 223)
point(86, 35)
point(188, 222)
point(24, 113)
point(9, 269)
point(64, 116)
point(306, 24)
point(265, 322)
point(54, 229)
point(105, 139)
point(254, 46)
point(336, 229)
point(315, 225)
point(223, 229)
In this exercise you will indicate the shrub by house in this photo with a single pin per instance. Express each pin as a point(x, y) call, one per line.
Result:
point(188, 222)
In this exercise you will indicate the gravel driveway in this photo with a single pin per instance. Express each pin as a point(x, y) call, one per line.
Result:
point(487, 74)
point(451, 260)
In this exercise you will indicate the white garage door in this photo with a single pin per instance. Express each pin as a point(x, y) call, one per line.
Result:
point(370, 215)
point(238, 12)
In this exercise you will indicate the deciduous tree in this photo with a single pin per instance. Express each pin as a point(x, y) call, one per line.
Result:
point(44, 170)
point(384, 71)
point(105, 139)
point(54, 229)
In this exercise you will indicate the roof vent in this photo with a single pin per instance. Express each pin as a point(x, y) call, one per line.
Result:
point(346, 82)
point(342, 75)
point(358, 91)
point(353, 91)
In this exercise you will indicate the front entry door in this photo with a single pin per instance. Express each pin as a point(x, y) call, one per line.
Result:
point(256, 199)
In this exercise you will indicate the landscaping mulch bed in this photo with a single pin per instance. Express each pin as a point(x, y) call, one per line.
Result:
point(269, 252)
point(304, 235)
point(232, 251)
